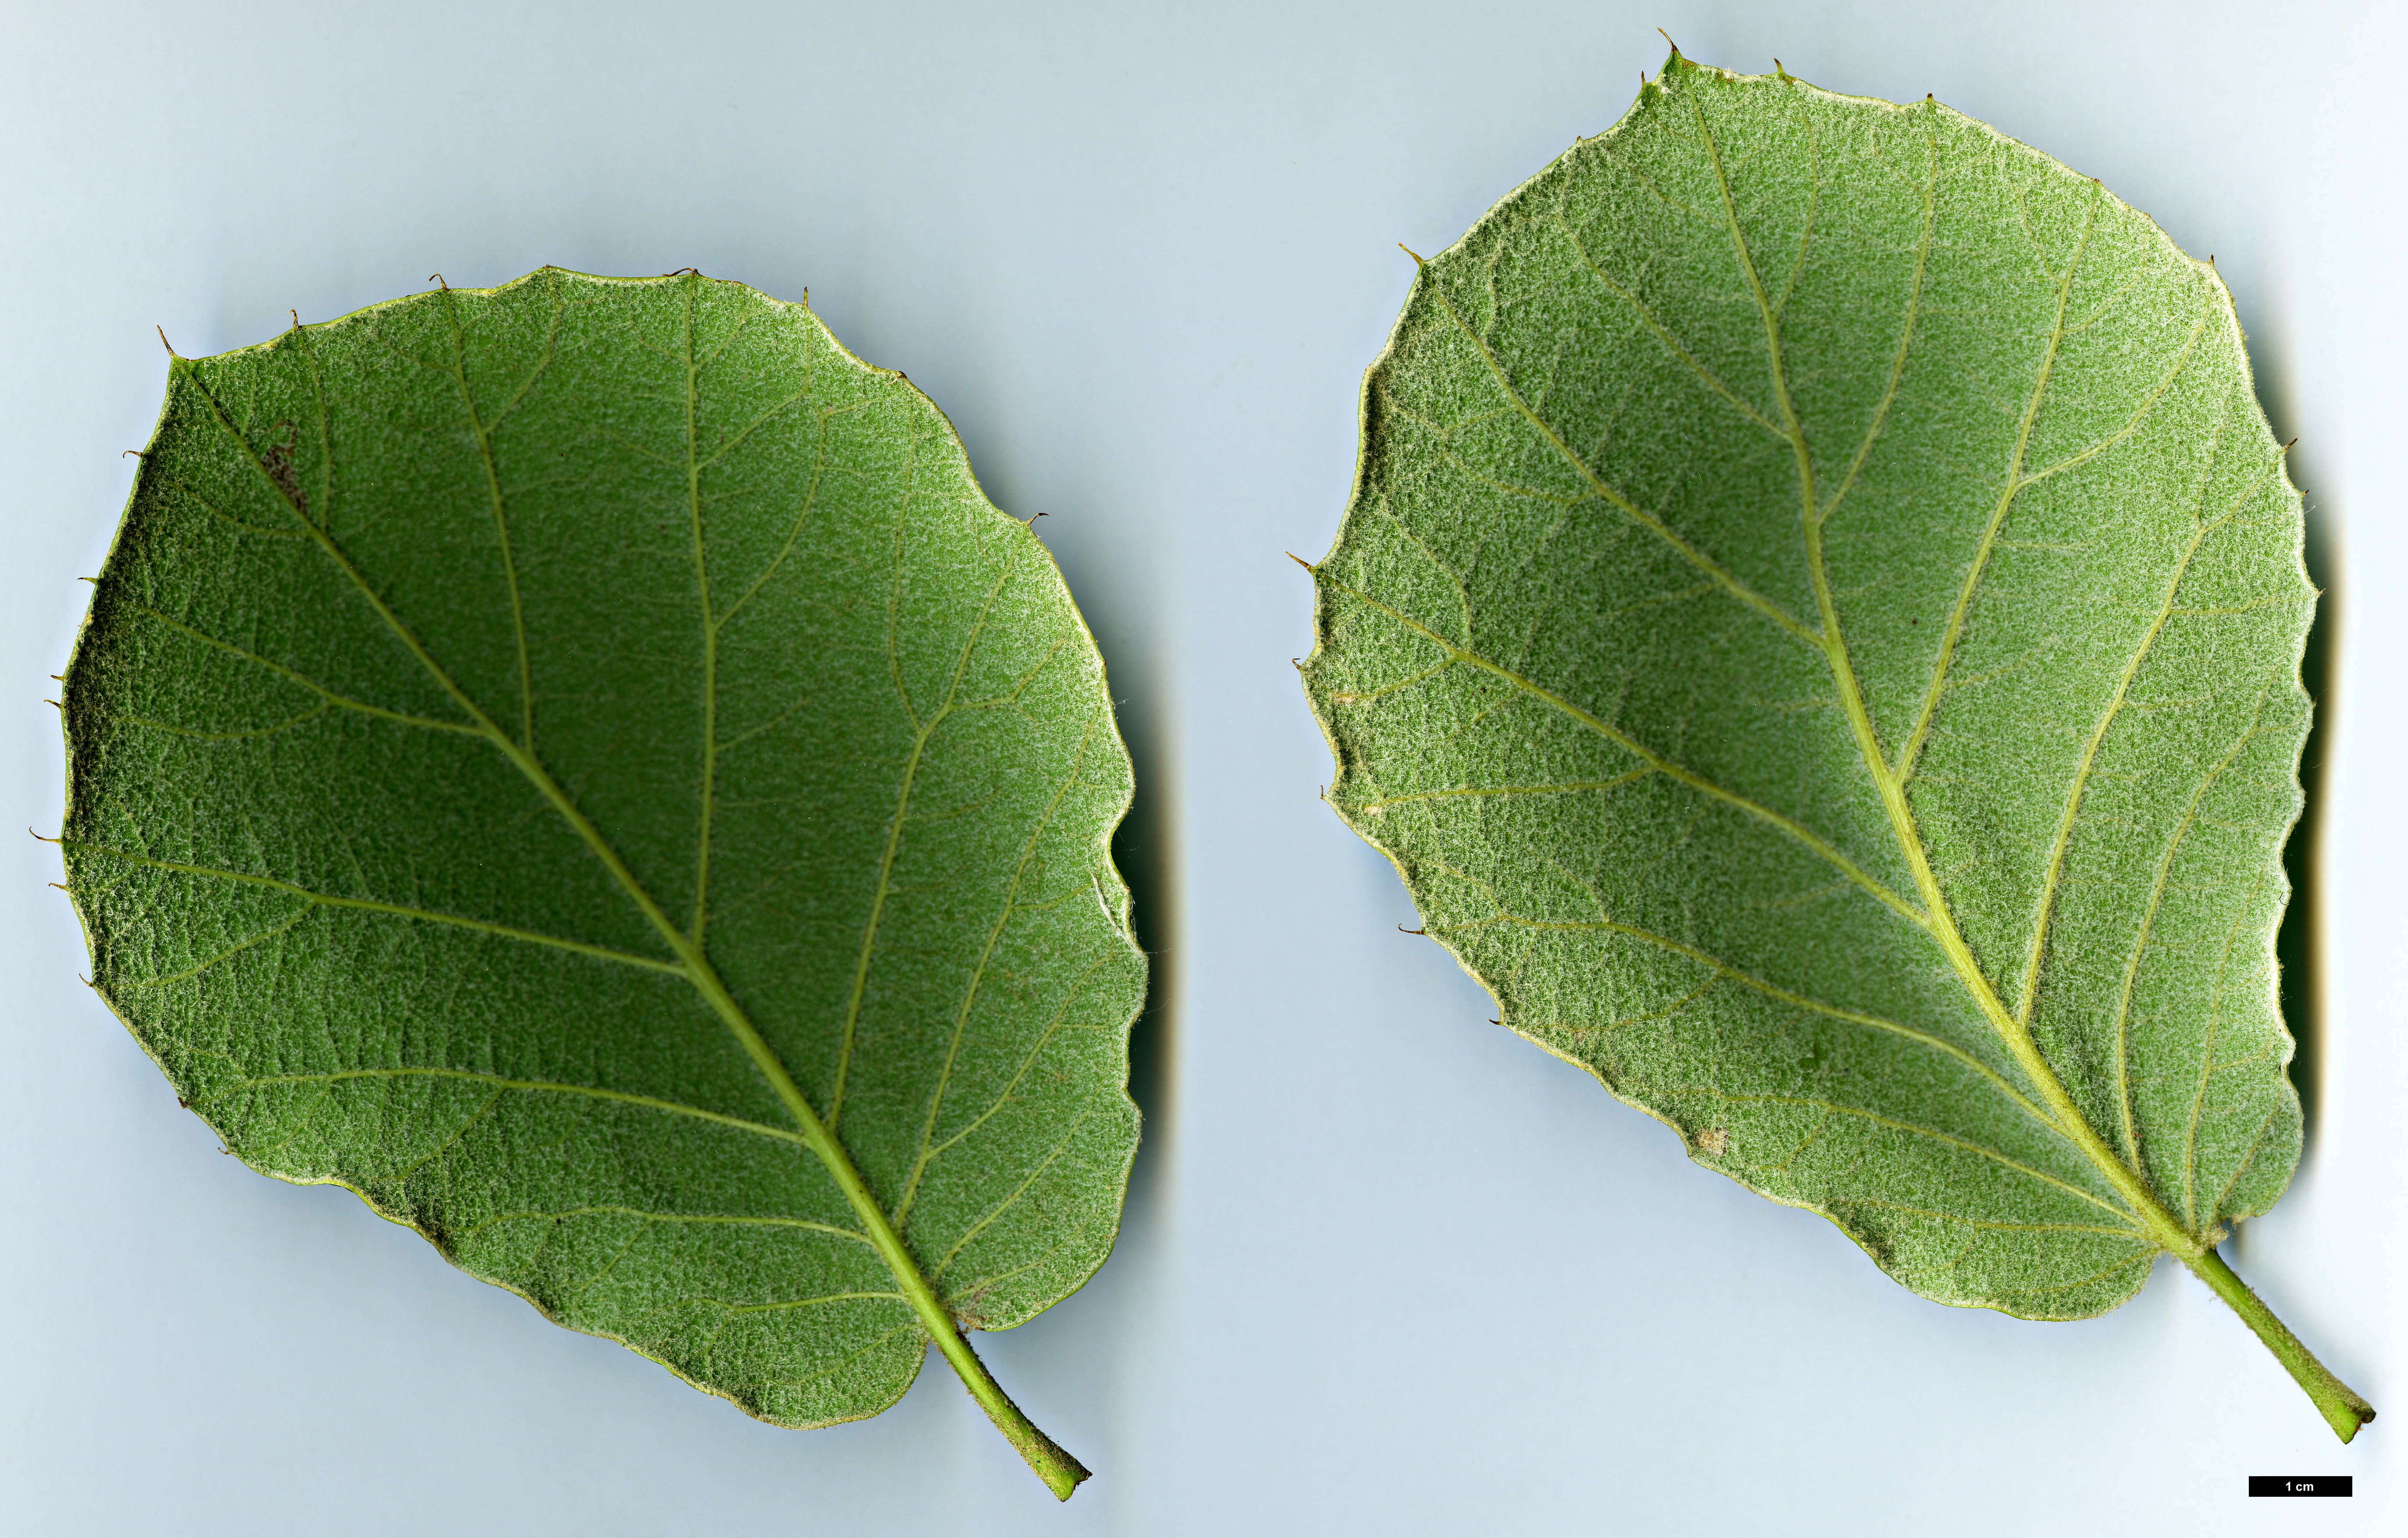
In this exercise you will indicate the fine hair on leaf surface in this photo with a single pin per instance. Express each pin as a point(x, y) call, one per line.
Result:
point(583, 765)
point(1818, 628)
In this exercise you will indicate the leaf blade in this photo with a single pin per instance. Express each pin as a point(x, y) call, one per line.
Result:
point(510, 464)
point(1723, 494)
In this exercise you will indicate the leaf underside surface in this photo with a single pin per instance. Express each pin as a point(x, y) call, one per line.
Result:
point(583, 764)
point(1818, 629)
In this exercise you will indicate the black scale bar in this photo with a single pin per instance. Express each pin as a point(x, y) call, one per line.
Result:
point(2300, 1484)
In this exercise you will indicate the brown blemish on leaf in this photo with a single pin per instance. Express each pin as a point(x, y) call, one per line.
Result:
point(1713, 1142)
point(278, 462)
point(969, 1310)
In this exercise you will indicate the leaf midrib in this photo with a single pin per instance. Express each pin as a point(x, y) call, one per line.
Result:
point(1936, 918)
point(2168, 1234)
point(693, 961)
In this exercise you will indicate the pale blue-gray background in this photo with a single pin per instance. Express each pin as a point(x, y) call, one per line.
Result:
point(1388, 1270)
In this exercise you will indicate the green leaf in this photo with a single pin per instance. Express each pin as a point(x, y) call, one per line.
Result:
point(1817, 629)
point(583, 764)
